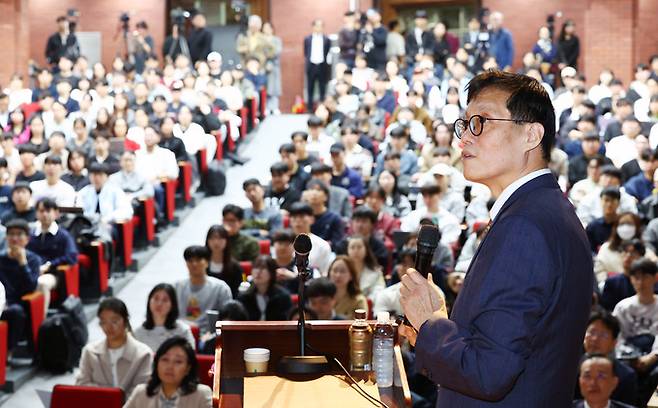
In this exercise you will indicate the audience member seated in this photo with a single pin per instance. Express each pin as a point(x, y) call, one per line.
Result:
point(259, 219)
point(599, 229)
point(284, 256)
point(53, 244)
point(447, 223)
point(118, 360)
point(386, 224)
point(19, 271)
point(619, 287)
point(327, 224)
point(356, 156)
point(103, 202)
point(608, 260)
point(243, 247)
point(590, 206)
point(280, 194)
point(5, 187)
point(56, 147)
point(299, 176)
point(222, 265)
point(82, 140)
point(397, 150)
point(156, 163)
point(133, 183)
point(318, 143)
point(397, 203)
point(348, 295)
point(102, 154)
point(587, 185)
point(339, 197)
point(162, 321)
point(21, 197)
point(640, 185)
point(621, 149)
point(388, 300)
point(450, 200)
point(344, 176)
point(77, 175)
point(368, 271)
point(265, 299)
point(363, 224)
point(199, 292)
point(171, 142)
point(453, 283)
point(29, 171)
point(601, 338)
point(639, 328)
point(597, 380)
point(174, 380)
point(301, 219)
point(304, 157)
point(321, 295)
point(53, 186)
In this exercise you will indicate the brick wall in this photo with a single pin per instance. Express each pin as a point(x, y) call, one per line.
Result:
point(14, 31)
point(292, 20)
point(646, 32)
point(96, 15)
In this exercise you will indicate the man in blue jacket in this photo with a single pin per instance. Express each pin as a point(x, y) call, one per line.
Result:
point(516, 329)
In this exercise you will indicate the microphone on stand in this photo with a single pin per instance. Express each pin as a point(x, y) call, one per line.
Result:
point(426, 243)
point(302, 364)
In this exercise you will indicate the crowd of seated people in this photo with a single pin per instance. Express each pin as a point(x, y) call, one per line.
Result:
point(376, 159)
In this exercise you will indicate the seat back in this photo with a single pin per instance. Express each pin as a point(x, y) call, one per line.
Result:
point(71, 396)
point(3, 351)
point(205, 363)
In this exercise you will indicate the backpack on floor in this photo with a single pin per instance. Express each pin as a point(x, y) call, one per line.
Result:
point(215, 179)
point(61, 338)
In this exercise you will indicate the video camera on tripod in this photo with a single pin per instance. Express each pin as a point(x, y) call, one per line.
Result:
point(178, 16)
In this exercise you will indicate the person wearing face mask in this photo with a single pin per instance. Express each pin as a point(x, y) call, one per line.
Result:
point(609, 258)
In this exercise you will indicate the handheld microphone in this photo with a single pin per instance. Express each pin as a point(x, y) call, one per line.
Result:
point(302, 246)
point(426, 243)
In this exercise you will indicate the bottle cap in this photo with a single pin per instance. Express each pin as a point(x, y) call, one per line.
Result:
point(360, 314)
point(383, 317)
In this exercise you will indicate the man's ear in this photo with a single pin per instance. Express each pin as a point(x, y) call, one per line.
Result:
point(534, 135)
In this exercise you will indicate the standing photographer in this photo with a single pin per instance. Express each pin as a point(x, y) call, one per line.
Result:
point(200, 39)
point(374, 36)
point(143, 46)
point(62, 43)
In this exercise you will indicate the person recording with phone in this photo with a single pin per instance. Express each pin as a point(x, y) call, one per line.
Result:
point(143, 46)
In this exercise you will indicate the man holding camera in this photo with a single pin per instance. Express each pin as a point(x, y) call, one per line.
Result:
point(62, 43)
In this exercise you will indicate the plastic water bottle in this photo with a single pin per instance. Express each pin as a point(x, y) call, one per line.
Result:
point(382, 351)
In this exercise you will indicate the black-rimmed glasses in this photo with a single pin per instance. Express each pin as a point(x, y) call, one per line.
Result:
point(476, 124)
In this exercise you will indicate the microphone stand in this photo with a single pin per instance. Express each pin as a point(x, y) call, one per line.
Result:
point(302, 364)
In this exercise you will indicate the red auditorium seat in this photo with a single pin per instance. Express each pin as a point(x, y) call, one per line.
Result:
point(294, 298)
point(71, 275)
point(243, 125)
point(253, 110)
point(263, 103)
point(246, 269)
point(124, 244)
point(264, 247)
point(205, 363)
point(72, 396)
point(219, 155)
point(170, 198)
point(185, 180)
point(36, 308)
point(143, 221)
point(99, 271)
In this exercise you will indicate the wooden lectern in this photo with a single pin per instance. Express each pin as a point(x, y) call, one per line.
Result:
point(281, 338)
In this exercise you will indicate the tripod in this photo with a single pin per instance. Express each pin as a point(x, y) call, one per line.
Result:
point(181, 42)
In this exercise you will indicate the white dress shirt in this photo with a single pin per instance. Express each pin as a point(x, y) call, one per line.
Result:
point(509, 190)
point(317, 49)
point(155, 164)
point(62, 192)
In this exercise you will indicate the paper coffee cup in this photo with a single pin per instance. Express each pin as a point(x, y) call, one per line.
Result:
point(256, 359)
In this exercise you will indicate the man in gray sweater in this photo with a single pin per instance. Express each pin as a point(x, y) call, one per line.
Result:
point(200, 292)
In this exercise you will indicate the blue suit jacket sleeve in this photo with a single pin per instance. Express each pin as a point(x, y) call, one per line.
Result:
point(485, 359)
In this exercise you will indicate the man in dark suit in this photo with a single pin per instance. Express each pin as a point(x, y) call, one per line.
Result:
point(316, 51)
point(62, 43)
point(597, 380)
point(374, 41)
point(516, 329)
point(419, 41)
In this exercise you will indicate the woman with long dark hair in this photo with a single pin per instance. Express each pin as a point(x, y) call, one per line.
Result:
point(37, 130)
point(396, 203)
point(265, 299)
point(222, 265)
point(348, 295)
point(371, 278)
point(162, 318)
point(568, 46)
point(174, 380)
point(609, 258)
point(16, 126)
point(118, 360)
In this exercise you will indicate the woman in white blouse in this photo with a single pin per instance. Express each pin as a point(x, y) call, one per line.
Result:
point(371, 278)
